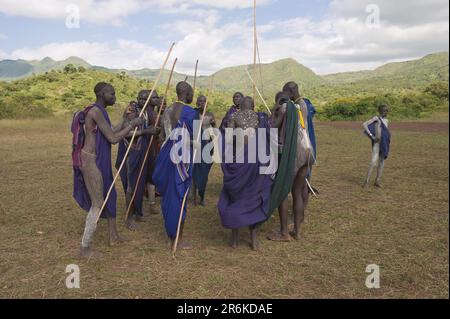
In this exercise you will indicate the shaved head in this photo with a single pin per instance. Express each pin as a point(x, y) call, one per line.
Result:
point(248, 103)
point(291, 89)
point(105, 94)
point(185, 92)
point(101, 87)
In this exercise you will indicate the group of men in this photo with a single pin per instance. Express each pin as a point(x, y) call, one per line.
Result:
point(248, 196)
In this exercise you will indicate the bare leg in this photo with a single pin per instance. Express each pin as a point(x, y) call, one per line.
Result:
point(89, 230)
point(373, 163)
point(379, 173)
point(94, 184)
point(254, 237)
point(152, 199)
point(234, 242)
point(300, 194)
point(283, 235)
point(130, 223)
point(183, 245)
point(194, 194)
point(114, 237)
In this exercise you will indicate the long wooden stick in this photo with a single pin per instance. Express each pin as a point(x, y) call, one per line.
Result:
point(134, 133)
point(175, 244)
point(254, 50)
point(195, 76)
point(151, 139)
point(259, 93)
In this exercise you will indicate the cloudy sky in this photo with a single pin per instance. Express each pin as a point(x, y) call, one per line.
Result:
point(326, 35)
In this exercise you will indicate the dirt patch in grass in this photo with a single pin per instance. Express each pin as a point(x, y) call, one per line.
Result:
point(403, 228)
point(426, 127)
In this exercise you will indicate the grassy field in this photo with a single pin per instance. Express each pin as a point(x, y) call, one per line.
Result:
point(403, 228)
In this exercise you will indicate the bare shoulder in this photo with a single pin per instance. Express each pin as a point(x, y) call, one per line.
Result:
point(302, 103)
point(94, 113)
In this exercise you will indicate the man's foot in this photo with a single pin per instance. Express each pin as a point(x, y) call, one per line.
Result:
point(278, 236)
point(117, 240)
point(234, 243)
point(365, 185)
point(131, 224)
point(377, 184)
point(88, 253)
point(154, 210)
point(254, 244)
point(295, 235)
point(141, 219)
point(202, 202)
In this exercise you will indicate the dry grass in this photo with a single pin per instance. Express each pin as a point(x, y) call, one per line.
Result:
point(403, 228)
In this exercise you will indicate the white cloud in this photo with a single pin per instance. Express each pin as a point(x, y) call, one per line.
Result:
point(341, 41)
point(114, 12)
point(123, 54)
point(98, 12)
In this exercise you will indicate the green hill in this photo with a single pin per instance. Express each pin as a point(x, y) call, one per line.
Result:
point(409, 74)
point(401, 75)
point(10, 69)
point(18, 69)
point(63, 92)
point(145, 74)
point(274, 76)
point(414, 88)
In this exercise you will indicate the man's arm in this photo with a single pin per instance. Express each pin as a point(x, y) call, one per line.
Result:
point(105, 128)
point(167, 125)
point(150, 131)
point(119, 126)
point(366, 127)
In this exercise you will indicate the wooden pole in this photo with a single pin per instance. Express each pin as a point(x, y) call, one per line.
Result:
point(195, 77)
point(134, 133)
point(151, 140)
point(254, 50)
point(259, 93)
point(175, 244)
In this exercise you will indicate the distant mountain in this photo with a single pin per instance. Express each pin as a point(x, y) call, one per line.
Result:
point(273, 75)
point(17, 69)
point(146, 74)
point(14, 69)
point(409, 74)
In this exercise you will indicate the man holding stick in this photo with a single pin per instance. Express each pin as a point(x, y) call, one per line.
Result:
point(93, 136)
point(129, 174)
point(173, 173)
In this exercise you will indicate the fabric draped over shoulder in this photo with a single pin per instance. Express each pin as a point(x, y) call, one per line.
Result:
point(285, 174)
point(103, 161)
point(130, 172)
point(244, 200)
point(385, 141)
point(173, 180)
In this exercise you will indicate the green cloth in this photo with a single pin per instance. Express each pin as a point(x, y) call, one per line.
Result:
point(285, 174)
